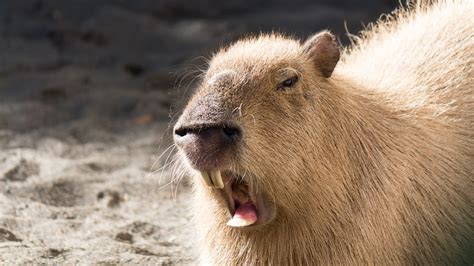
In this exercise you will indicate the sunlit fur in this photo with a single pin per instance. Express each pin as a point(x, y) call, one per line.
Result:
point(374, 165)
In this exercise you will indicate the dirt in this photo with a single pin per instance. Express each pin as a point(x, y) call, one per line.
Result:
point(92, 203)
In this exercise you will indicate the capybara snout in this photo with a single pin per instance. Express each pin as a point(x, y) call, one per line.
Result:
point(208, 146)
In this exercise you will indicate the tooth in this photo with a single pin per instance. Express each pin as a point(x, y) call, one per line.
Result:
point(206, 178)
point(217, 179)
point(237, 221)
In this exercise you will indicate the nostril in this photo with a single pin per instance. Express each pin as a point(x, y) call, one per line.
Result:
point(223, 134)
point(231, 132)
point(181, 132)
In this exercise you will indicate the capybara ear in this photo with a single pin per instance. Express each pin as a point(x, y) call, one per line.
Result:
point(323, 50)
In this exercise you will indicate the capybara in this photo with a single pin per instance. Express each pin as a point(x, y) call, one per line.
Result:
point(302, 154)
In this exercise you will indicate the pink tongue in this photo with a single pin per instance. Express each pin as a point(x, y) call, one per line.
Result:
point(247, 212)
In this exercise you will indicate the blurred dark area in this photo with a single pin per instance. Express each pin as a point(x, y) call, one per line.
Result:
point(83, 66)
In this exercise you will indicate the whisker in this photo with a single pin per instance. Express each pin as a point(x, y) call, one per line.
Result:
point(158, 159)
point(166, 164)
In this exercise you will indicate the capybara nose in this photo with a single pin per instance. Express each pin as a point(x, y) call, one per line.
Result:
point(212, 135)
point(207, 146)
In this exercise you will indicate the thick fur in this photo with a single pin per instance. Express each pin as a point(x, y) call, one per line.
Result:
point(373, 165)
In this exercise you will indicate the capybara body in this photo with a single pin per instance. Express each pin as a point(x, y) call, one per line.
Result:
point(370, 161)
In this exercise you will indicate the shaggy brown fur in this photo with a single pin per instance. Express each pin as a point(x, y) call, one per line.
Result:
point(373, 165)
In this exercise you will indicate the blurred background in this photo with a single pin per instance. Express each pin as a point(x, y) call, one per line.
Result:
point(88, 90)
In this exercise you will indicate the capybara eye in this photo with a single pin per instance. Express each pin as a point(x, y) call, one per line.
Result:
point(288, 82)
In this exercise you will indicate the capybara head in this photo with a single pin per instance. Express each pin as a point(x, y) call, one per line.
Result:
point(255, 123)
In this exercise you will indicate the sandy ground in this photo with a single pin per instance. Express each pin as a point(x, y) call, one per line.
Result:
point(87, 91)
point(94, 202)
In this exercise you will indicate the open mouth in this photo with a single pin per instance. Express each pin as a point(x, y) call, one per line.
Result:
point(242, 200)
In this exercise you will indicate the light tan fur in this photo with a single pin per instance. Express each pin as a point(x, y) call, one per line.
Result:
point(374, 165)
